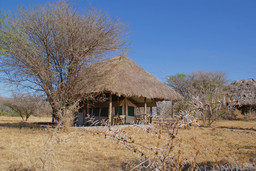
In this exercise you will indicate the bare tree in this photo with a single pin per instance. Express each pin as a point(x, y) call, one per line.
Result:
point(46, 49)
point(207, 87)
point(180, 83)
point(26, 105)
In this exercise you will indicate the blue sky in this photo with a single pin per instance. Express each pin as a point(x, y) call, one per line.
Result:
point(181, 36)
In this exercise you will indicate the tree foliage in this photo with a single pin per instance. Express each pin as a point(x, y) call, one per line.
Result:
point(46, 49)
point(207, 87)
point(179, 83)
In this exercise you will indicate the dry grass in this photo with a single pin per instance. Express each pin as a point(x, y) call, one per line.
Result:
point(28, 146)
point(32, 119)
point(243, 125)
point(76, 150)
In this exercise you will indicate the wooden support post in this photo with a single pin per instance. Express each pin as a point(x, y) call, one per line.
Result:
point(145, 109)
point(151, 112)
point(125, 109)
point(110, 109)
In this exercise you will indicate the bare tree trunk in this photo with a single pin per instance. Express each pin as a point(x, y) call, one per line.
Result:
point(27, 116)
point(21, 115)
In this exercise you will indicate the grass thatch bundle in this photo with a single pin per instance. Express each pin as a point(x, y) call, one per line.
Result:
point(242, 93)
point(123, 77)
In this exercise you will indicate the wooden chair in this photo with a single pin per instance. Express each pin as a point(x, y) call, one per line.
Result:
point(122, 119)
point(115, 120)
point(138, 119)
point(119, 120)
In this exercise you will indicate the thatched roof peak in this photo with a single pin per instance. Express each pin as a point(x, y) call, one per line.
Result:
point(122, 76)
point(247, 81)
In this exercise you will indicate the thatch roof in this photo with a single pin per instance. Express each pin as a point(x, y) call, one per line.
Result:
point(242, 93)
point(123, 77)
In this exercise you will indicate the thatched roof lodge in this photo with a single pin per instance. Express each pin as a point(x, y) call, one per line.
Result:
point(126, 86)
point(242, 94)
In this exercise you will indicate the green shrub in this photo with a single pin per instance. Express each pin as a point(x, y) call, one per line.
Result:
point(9, 113)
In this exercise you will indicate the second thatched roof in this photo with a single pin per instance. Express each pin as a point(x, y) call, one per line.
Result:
point(242, 93)
point(123, 77)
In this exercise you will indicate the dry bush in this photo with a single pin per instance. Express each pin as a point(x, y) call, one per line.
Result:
point(163, 147)
point(207, 87)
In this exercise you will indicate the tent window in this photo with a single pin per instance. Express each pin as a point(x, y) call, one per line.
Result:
point(118, 110)
point(104, 111)
point(130, 111)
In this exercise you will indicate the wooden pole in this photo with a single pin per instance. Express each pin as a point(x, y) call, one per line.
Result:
point(151, 112)
point(125, 109)
point(145, 109)
point(110, 109)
